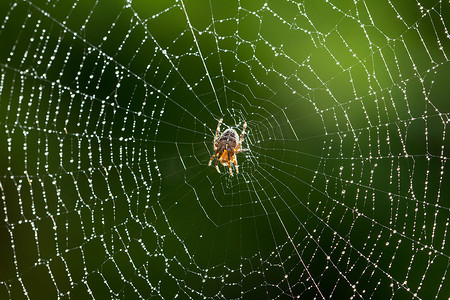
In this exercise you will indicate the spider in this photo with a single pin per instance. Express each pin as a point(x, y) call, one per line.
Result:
point(226, 147)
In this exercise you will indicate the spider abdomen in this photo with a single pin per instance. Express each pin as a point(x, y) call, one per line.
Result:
point(228, 137)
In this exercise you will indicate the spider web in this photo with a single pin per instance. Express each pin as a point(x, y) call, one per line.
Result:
point(109, 110)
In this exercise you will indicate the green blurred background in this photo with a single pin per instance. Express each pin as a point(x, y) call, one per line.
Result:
point(109, 110)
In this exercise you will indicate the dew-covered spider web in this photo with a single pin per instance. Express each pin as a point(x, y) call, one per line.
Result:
point(108, 111)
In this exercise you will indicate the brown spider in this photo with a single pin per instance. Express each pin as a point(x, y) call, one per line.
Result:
point(226, 148)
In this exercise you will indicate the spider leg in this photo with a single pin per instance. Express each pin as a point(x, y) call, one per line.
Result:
point(216, 144)
point(240, 150)
point(212, 157)
point(240, 140)
point(218, 129)
point(236, 165)
point(242, 134)
point(229, 167)
point(217, 167)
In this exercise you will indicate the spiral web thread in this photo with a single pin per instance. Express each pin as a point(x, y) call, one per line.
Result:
point(109, 110)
